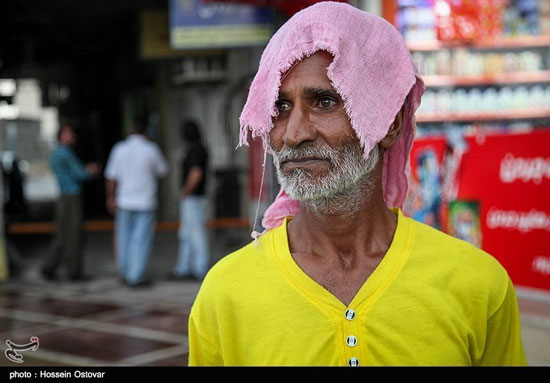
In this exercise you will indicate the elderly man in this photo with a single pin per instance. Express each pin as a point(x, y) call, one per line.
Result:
point(341, 276)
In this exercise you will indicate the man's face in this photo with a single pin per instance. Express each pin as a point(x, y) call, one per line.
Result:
point(316, 149)
point(68, 137)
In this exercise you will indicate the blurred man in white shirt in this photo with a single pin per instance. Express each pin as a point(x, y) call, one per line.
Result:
point(132, 173)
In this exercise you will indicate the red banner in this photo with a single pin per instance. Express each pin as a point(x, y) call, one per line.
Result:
point(495, 193)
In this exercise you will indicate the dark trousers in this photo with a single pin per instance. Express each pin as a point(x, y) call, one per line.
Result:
point(67, 244)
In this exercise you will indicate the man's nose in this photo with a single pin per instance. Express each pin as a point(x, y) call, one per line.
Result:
point(299, 128)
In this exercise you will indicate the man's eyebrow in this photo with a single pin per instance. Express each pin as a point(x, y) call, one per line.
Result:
point(320, 92)
point(314, 92)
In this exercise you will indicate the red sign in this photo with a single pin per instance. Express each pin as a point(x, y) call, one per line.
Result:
point(501, 200)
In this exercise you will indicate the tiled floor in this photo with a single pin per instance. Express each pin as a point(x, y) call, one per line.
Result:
point(98, 323)
point(535, 326)
point(105, 323)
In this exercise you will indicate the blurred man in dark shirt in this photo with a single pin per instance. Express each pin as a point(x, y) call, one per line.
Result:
point(193, 250)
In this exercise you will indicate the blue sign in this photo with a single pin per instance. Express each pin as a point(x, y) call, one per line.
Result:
point(195, 24)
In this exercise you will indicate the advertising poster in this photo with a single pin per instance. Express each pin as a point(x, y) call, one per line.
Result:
point(495, 195)
point(464, 221)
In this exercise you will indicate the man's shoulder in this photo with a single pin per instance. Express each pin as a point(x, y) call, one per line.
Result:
point(133, 145)
point(61, 152)
point(148, 146)
point(241, 267)
point(248, 256)
point(118, 146)
point(56, 151)
point(442, 249)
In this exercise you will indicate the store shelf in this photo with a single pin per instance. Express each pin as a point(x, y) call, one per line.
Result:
point(530, 113)
point(538, 77)
point(504, 43)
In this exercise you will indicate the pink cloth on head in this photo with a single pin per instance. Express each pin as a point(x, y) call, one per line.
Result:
point(373, 72)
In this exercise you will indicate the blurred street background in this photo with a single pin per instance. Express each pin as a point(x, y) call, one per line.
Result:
point(101, 322)
point(480, 163)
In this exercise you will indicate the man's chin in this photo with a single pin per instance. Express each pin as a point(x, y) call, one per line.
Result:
point(305, 192)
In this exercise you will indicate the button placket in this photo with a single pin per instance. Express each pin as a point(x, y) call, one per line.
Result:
point(350, 339)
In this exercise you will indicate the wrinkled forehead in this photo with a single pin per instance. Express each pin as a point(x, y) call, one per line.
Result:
point(320, 57)
point(307, 76)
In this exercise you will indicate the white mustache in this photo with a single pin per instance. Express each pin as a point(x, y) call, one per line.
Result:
point(341, 189)
point(318, 152)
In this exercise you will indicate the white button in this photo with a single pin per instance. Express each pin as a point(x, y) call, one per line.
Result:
point(353, 362)
point(351, 341)
point(350, 314)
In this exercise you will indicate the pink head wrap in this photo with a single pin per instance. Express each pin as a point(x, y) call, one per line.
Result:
point(373, 72)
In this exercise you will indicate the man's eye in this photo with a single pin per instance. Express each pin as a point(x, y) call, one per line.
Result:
point(326, 103)
point(282, 106)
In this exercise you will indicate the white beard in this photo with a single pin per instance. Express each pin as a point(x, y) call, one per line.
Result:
point(342, 191)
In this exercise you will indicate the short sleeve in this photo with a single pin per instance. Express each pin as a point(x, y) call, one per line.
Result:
point(111, 170)
point(503, 346)
point(197, 158)
point(161, 164)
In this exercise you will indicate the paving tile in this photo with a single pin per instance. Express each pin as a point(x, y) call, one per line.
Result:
point(23, 333)
point(60, 307)
point(173, 322)
point(8, 292)
point(8, 325)
point(534, 308)
point(97, 345)
point(535, 342)
point(8, 299)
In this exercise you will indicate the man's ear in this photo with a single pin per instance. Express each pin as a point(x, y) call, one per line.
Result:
point(395, 129)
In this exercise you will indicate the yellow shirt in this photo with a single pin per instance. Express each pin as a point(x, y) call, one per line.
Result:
point(433, 300)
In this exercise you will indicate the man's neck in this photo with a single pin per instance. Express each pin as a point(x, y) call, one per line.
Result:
point(341, 253)
point(353, 225)
point(341, 250)
point(367, 232)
